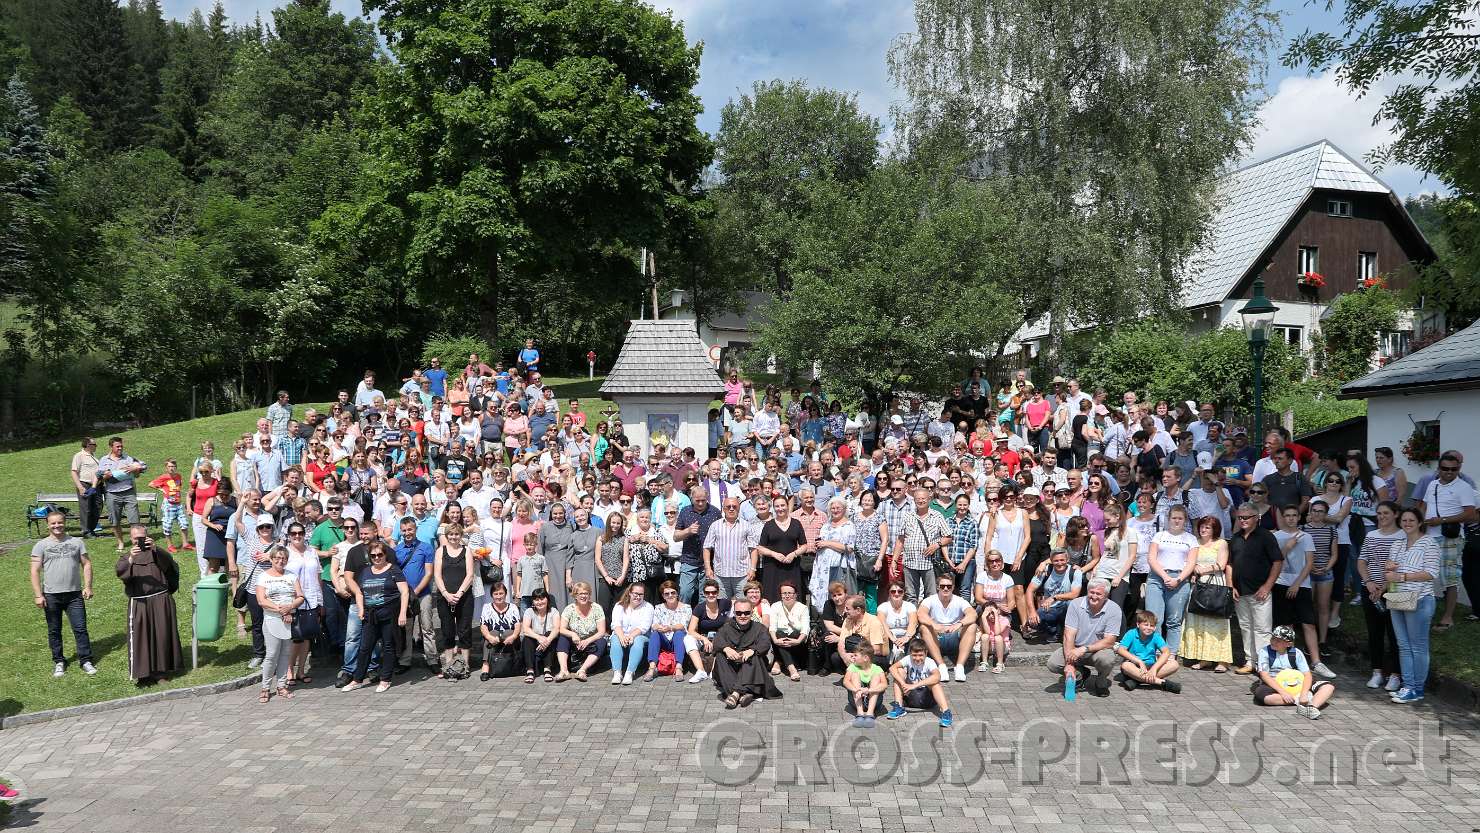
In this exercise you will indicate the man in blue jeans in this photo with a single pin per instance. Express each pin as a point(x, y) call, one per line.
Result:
point(61, 577)
point(692, 527)
point(355, 560)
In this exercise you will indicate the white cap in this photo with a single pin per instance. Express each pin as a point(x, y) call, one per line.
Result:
point(1205, 460)
point(896, 420)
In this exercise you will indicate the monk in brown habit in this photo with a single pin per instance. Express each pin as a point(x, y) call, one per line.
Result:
point(150, 579)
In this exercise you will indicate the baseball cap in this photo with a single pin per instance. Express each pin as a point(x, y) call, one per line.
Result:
point(1030, 491)
point(896, 420)
point(1284, 632)
point(1205, 459)
point(265, 521)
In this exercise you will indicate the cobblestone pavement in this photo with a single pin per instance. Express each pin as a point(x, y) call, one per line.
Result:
point(433, 755)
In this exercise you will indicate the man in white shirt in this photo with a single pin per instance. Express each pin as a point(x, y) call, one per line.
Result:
point(767, 427)
point(948, 627)
point(1265, 466)
point(1448, 501)
point(475, 493)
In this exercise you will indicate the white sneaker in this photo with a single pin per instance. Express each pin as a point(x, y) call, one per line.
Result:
point(699, 677)
point(982, 668)
point(627, 678)
point(60, 669)
point(1321, 669)
point(1308, 711)
point(960, 674)
point(1376, 680)
point(88, 668)
point(1394, 683)
point(1335, 619)
point(616, 677)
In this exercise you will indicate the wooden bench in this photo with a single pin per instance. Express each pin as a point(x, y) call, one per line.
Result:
point(67, 502)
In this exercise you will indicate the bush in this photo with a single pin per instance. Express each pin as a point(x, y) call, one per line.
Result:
point(1316, 406)
point(454, 350)
point(1350, 329)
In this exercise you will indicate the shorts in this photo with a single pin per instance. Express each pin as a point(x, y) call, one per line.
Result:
point(1000, 626)
point(1322, 578)
point(1262, 691)
point(920, 698)
point(174, 515)
point(1300, 610)
point(1449, 563)
point(122, 506)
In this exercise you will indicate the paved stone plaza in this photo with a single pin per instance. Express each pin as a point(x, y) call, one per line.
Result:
point(503, 755)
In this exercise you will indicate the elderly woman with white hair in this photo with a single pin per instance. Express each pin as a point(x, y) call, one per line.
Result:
point(835, 554)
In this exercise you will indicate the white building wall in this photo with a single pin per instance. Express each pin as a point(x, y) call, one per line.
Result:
point(693, 429)
point(1390, 421)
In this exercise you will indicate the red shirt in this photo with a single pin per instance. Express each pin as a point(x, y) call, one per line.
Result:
point(627, 476)
point(1012, 460)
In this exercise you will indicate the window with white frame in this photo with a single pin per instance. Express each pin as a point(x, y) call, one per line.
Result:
point(1288, 333)
point(1366, 265)
point(1393, 343)
point(1308, 260)
point(1339, 208)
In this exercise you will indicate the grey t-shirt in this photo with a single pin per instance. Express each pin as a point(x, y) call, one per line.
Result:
point(61, 564)
point(1088, 627)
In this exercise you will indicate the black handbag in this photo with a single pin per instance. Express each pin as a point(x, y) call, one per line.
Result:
point(240, 597)
point(504, 664)
point(306, 624)
point(1213, 600)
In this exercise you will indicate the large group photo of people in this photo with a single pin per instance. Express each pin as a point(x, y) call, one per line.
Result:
point(472, 522)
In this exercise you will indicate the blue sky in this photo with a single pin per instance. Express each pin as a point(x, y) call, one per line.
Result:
point(842, 43)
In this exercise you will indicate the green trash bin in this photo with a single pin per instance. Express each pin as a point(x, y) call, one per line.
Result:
point(210, 607)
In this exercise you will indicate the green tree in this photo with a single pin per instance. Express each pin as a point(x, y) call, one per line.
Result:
point(1162, 360)
point(772, 144)
point(528, 147)
point(1452, 283)
point(199, 56)
point(1113, 118)
point(1430, 49)
point(894, 282)
point(1350, 329)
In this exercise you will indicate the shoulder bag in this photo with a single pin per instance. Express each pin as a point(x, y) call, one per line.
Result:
point(242, 594)
point(1215, 600)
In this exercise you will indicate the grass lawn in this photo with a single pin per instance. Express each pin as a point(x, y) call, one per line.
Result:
point(26, 683)
point(1451, 653)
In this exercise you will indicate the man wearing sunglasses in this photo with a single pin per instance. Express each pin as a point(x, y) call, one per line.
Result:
point(1447, 500)
point(1256, 558)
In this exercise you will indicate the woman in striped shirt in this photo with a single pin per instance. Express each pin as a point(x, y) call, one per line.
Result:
point(1377, 549)
point(1413, 566)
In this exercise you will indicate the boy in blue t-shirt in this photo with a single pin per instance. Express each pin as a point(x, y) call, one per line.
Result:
point(1147, 659)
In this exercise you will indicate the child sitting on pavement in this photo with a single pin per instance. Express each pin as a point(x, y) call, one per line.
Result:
point(1147, 659)
point(865, 683)
point(916, 682)
point(1285, 678)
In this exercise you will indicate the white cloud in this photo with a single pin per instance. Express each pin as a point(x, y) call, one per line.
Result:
point(1305, 109)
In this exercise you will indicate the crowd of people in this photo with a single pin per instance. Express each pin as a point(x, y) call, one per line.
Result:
point(472, 519)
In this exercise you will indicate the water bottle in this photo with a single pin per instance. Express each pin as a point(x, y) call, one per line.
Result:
point(1070, 684)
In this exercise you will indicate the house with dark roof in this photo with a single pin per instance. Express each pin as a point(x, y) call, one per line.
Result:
point(663, 382)
point(1433, 392)
point(1311, 211)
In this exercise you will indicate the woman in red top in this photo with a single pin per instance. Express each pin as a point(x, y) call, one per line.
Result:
point(202, 489)
point(319, 468)
point(1037, 411)
point(458, 397)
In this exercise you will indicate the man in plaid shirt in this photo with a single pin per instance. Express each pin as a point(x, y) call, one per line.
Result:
point(292, 445)
point(917, 420)
point(916, 538)
point(966, 536)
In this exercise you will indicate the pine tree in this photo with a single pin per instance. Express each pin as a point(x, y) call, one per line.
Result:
point(25, 186)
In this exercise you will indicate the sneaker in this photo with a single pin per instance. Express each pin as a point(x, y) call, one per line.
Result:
point(7, 792)
point(699, 677)
point(1407, 696)
point(59, 669)
point(1376, 680)
point(1400, 694)
point(960, 674)
point(946, 719)
point(982, 668)
point(616, 678)
point(1335, 619)
point(341, 680)
point(1171, 686)
point(1129, 684)
point(256, 662)
point(1308, 711)
point(88, 668)
point(627, 678)
point(998, 668)
point(1321, 669)
point(860, 722)
point(896, 711)
point(1394, 683)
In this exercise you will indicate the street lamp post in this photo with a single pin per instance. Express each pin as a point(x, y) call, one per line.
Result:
point(1258, 314)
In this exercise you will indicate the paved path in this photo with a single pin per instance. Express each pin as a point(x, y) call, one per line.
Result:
point(438, 756)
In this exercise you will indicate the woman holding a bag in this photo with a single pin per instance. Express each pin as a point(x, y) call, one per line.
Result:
point(869, 534)
point(304, 565)
point(1410, 574)
point(670, 628)
point(791, 625)
point(1208, 638)
point(1381, 542)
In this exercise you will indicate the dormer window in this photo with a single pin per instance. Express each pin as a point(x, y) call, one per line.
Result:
point(1339, 208)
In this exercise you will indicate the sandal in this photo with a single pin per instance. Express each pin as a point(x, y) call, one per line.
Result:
point(1198, 666)
point(305, 680)
point(264, 696)
point(529, 679)
point(796, 676)
point(284, 693)
point(549, 678)
point(1443, 626)
point(733, 700)
point(1220, 668)
point(581, 676)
